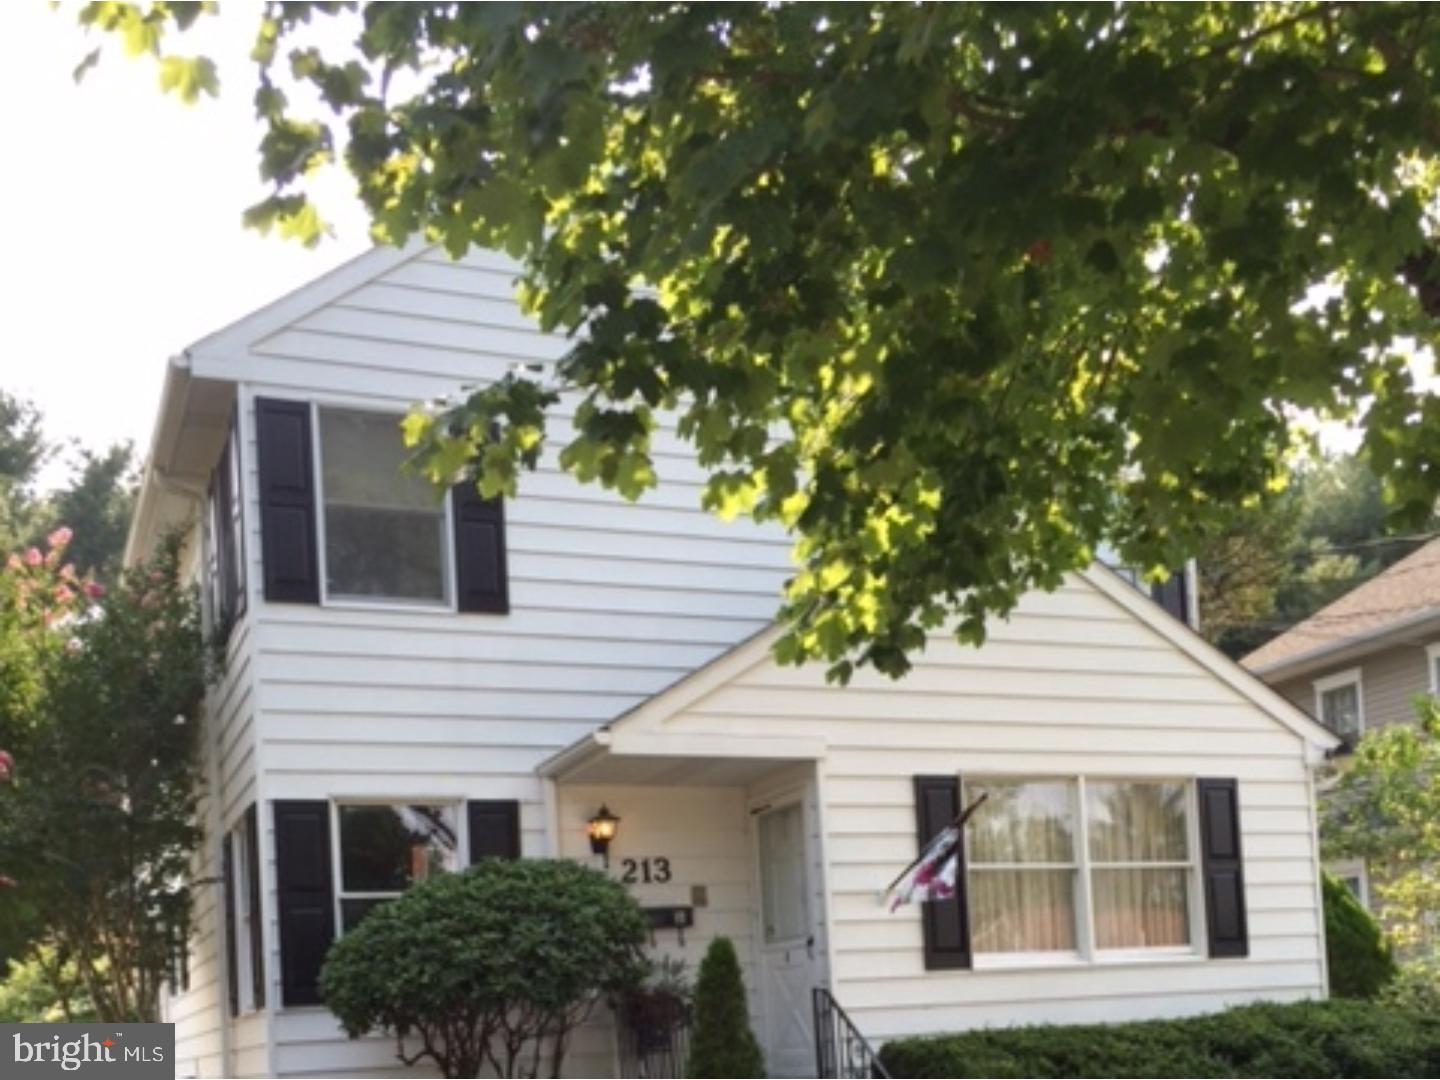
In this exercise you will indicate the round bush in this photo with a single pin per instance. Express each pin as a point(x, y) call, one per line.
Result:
point(1359, 957)
point(488, 965)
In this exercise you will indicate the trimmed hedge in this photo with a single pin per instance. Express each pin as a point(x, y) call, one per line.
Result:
point(1318, 1038)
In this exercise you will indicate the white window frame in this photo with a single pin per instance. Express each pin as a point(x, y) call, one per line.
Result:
point(1432, 659)
point(1338, 681)
point(1086, 950)
point(1352, 868)
point(448, 604)
point(337, 865)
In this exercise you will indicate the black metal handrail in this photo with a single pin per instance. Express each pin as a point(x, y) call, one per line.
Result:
point(840, 1050)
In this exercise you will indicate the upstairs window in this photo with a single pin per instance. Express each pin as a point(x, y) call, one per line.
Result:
point(386, 535)
point(385, 848)
point(224, 542)
point(1340, 705)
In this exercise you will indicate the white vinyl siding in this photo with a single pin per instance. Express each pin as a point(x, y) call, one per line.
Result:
point(610, 601)
point(1069, 684)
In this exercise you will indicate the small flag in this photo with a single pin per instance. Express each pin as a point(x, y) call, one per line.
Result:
point(932, 877)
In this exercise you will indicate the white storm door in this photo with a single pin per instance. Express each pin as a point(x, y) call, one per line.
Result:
point(787, 942)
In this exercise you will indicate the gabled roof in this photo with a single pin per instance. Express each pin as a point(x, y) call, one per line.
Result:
point(1405, 595)
point(690, 688)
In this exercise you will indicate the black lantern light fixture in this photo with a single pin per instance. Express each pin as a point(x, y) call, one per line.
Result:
point(602, 828)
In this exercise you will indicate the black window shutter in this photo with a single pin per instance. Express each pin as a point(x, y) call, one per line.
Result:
point(304, 896)
point(946, 922)
point(1173, 594)
point(1222, 867)
point(252, 904)
point(494, 829)
point(285, 460)
point(232, 953)
point(481, 578)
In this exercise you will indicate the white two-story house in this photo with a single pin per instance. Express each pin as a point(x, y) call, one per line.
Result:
point(414, 684)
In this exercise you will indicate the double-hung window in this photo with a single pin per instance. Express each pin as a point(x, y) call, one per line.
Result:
point(387, 535)
point(385, 848)
point(1023, 867)
point(224, 543)
point(1081, 867)
point(1340, 705)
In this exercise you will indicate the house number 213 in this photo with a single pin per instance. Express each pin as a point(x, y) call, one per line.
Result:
point(645, 871)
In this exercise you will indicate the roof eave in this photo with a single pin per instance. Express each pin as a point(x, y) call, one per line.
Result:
point(1348, 648)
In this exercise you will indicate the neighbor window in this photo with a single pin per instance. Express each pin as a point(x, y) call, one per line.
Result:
point(1432, 654)
point(1080, 865)
point(1339, 705)
point(386, 533)
point(384, 849)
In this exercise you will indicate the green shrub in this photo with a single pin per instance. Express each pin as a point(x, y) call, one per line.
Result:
point(1329, 1038)
point(723, 1045)
point(1356, 951)
point(1416, 986)
point(488, 967)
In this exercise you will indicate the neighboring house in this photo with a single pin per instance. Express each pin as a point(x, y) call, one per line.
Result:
point(415, 684)
point(1360, 662)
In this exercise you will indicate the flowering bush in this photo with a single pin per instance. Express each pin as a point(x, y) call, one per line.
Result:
point(99, 691)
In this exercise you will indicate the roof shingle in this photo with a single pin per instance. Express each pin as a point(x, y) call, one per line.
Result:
point(1406, 590)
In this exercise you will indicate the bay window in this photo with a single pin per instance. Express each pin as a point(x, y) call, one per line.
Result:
point(1081, 866)
point(385, 848)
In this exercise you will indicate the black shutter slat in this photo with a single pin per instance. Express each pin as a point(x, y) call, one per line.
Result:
point(481, 577)
point(285, 462)
point(305, 896)
point(946, 923)
point(1222, 867)
point(1173, 594)
point(252, 902)
point(494, 829)
point(232, 952)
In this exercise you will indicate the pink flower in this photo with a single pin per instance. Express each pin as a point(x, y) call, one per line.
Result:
point(33, 557)
point(63, 594)
point(6, 881)
point(60, 537)
point(68, 571)
point(93, 589)
point(14, 563)
point(7, 765)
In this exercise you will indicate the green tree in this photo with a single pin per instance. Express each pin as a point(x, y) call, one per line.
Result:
point(96, 505)
point(722, 1044)
point(954, 292)
point(1385, 808)
point(23, 449)
point(44, 988)
point(99, 819)
point(494, 966)
point(1359, 959)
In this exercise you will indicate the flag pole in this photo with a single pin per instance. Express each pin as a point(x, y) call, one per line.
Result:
point(958, 823)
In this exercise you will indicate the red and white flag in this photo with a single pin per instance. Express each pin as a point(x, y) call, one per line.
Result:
point(932, 877)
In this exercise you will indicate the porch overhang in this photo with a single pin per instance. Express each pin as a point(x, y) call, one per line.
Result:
point(606, 756)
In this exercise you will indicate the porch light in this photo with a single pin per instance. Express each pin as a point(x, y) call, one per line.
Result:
point(602, 828)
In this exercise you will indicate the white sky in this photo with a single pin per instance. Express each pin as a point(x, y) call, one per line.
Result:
point(122, 241)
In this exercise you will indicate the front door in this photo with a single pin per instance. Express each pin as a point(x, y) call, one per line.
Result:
point(787, 942)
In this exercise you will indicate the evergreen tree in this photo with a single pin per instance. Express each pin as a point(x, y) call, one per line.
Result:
point(723, 1045)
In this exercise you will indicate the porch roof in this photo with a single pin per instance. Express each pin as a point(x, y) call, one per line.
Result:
point(606, 756)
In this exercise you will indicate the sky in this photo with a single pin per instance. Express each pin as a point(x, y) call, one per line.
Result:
point(123, 239)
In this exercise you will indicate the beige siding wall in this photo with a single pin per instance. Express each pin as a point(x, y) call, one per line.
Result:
point(1071, 683)
point(1389, 680)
